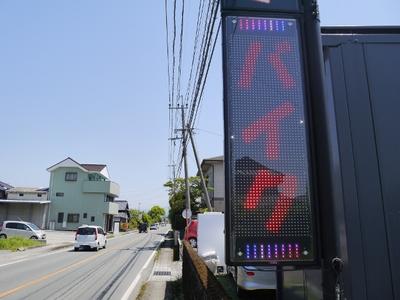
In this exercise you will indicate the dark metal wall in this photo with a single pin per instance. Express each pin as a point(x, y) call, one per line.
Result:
point(359, 154)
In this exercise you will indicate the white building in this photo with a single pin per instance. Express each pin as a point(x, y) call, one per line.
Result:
point(213, 170)
point(27, 204)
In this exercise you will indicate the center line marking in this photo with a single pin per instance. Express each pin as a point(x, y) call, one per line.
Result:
point(45, 277)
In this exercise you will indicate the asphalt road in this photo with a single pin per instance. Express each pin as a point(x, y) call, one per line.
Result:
point(112, 273)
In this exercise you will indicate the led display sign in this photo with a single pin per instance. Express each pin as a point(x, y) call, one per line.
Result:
point(270, 203)
point(281, 5)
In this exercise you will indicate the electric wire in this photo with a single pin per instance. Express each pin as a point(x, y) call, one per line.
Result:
point(198, 25)
point(205, 62)
point(192, 121)
point(200, 64)
point(180, 50)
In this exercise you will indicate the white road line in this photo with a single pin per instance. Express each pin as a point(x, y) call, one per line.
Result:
point(135, 282)
point(50, 253)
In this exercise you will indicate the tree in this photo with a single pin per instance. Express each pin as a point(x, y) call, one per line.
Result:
point(135, 218)
point(146, 218)
point(156, 213)
point(176, 192)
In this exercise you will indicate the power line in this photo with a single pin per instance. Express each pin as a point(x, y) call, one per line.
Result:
point(208, 131)
point(201, 53)
point(173, 56)
point(192, 122)
point(205, 62)
point(167, 44)
point(180, 50)
point(203, 49)
point(169, 75)
point(198, 25)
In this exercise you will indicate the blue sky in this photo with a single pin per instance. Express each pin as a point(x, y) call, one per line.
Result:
point(88, 79)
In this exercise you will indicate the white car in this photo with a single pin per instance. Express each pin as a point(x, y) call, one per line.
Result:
point(21, 228)
point(92, 237)
point(254, 278)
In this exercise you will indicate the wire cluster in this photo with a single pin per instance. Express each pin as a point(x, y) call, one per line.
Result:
point(186, 82)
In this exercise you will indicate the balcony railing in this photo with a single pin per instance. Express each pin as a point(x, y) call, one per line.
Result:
point(110, 208)
point(101, 187)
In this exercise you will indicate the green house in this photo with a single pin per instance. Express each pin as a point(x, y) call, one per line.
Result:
point(81, 194)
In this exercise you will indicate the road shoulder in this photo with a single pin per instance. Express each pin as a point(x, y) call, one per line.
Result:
point(165, 278)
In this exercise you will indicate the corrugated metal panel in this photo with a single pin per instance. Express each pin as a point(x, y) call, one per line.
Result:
point(363, 79)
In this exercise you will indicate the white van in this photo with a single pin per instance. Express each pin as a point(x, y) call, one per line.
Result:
point(20, 228)
point(92, 237)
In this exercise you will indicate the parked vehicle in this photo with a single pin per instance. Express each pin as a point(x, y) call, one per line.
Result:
point(253, 278)
point(211, 238)
point(191, 233)
point(21, 228)
point(153, 227)
point(92, 237)
point(143, 228)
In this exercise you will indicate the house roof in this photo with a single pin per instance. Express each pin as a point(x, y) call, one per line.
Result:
point(4, 186)
point(69, 162)
point(207, 162)
point(122, 215)
point(216, 158)
point(122, 204)
point(24, 201)
point(93, 167)
point(25, 190)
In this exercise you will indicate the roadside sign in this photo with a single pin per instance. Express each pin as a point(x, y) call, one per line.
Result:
point(186, 214)
point(268, 170)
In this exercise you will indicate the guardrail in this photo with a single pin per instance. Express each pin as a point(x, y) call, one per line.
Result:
point(198, 281)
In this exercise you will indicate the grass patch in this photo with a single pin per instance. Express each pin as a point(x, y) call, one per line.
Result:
point(142, 291)
point(13, 243)
point(157, 256)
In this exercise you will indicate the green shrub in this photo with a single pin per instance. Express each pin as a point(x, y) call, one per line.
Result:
point(13, 243)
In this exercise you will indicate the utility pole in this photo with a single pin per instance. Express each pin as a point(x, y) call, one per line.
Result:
point(203, 182)
point(184, 153)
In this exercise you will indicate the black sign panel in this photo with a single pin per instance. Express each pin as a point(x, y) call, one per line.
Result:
point(270, 204)
point(262, 5)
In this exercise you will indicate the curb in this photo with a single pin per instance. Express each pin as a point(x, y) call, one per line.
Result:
point(132, 286)
point(61, 246)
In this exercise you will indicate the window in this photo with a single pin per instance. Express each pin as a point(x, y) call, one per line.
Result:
point(73, 218)
point(11, 225)
point(109, 199)
point(59, 194)
point(39, 195)
point(33, 226)
point(84, 215)
point(86, 231)
point(71, 176)
point(92, 219)
point(100, 231)
point(60, 218)
point(21, 226)
point(96, 177)
point(21, 195)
